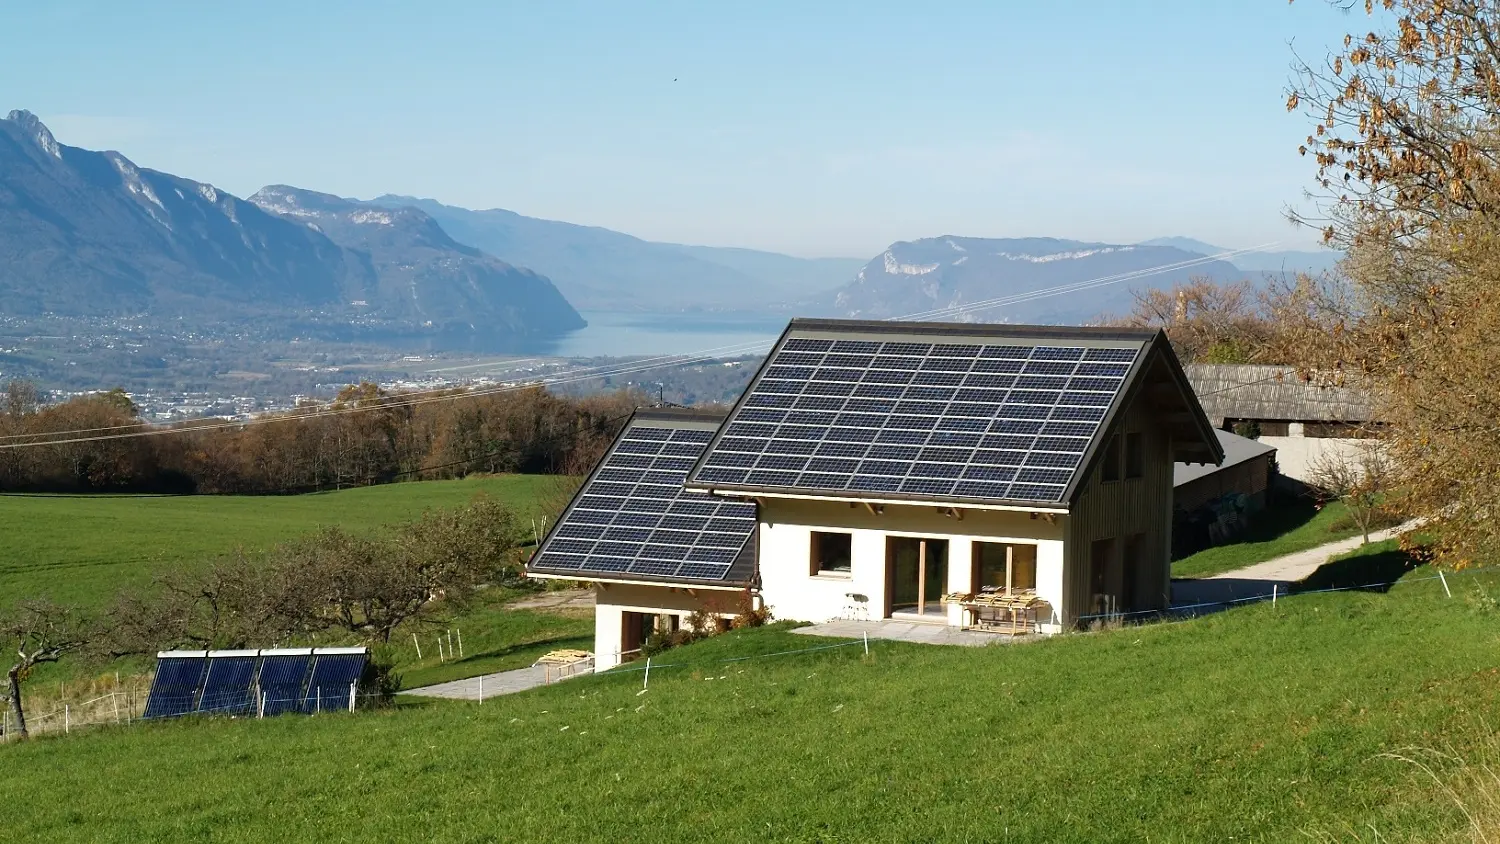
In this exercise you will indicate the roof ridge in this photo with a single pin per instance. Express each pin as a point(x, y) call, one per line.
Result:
point(989, 329)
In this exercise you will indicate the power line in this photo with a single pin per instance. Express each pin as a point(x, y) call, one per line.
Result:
point(585, 374)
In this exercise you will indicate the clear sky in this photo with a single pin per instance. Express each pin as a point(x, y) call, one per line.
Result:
point(804, 127)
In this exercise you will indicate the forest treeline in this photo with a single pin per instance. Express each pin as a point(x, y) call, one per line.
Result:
point(365, 436)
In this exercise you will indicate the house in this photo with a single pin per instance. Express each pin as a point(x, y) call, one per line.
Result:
point(1213, 503)
point(1304, 419)
point(941, 473)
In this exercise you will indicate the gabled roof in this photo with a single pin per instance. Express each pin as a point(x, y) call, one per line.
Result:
point(1237, 450)
point(1279, 393)
point(954, 413)
point(632, 520)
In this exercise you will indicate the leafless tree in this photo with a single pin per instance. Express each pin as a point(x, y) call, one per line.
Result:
point(38, 631)
point(1359, 476)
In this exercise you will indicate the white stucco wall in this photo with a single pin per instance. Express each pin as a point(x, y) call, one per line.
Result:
point(1296, 455)
point(612, 601)
point(792, 592)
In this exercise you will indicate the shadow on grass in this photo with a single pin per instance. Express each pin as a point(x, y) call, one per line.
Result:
point(1284, 514)
point(523, 646)
point(1371, 572)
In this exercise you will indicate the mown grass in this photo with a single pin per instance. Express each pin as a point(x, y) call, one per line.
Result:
point(1256, 724)
point(1285, 529)
point(85, 548)
point(495, 636)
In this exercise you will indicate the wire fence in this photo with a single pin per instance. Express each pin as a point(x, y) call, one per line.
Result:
point(1278, 592)
point(128, 706)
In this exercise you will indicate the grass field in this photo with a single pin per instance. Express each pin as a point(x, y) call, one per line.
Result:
point(1256, 724)
point(1283, 530)
point(84, 548)
point(496, 637)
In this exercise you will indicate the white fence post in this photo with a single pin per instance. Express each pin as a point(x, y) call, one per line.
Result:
point(351, 696)
point(866, 636)
point(1273, 596)
point(440, 648)
point(418, 646)
point(460, 644)
point(481, 688)
point(647, 682)
point(262, 712)
point(67, 719)
point(114, 700)
point(1446, 591)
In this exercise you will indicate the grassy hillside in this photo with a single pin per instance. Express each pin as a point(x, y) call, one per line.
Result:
point(1287, 529)
point(1257, 724)
point(83, 548)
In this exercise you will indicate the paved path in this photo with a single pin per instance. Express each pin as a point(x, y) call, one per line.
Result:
point(493, 685)
point(1281, 572)
point(904, 631)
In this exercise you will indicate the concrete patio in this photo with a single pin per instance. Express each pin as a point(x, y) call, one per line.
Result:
point(907, 631)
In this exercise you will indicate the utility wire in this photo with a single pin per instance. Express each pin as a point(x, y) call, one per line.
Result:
point(585, 374)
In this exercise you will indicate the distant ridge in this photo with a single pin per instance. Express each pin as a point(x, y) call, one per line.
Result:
point(87, 233)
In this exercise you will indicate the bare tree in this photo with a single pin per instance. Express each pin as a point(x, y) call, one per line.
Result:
point(1360, 477)
point(38, 631)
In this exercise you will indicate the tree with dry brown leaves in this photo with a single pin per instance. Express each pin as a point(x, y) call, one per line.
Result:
point(1405, 142)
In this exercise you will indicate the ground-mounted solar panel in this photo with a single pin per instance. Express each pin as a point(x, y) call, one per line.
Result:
point(227, 682)
point(932, 412)
point(333, 679)
point(174, 689)
point(283, 676)
point(633, 519)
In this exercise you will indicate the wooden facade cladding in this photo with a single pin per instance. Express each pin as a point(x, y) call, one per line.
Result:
point(1133, 514)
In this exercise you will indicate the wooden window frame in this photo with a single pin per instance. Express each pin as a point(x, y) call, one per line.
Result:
point(814, 554)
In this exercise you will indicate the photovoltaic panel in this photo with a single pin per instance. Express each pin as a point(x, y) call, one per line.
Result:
point(634, 518)
point(283, 675)
point(333, 673)
point(999, 420)
point(174, 689)
point(226, 684)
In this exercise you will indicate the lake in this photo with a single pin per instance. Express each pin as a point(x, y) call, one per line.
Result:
point(620, 334)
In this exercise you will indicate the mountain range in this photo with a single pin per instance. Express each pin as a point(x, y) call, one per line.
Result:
point(86, 233)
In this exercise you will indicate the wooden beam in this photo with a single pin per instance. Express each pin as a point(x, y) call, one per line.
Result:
point(921, 577)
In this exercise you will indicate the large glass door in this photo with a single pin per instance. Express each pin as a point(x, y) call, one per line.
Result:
point(916, 574)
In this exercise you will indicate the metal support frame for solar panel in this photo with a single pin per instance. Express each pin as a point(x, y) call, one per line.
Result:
point(924, 411)
point(633, 520)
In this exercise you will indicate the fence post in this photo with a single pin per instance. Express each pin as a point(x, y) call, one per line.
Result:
point(114, 699)
point(440, 648)
point(647, 682)
point(1273, 596)
point(262, 712)
point(450, 643)
point(351, 697)
point(460, 643)
point(418, 645)
point(481, 688)
point(319, 698)
point(866, 636)
point(1446, 591)
point(67, 719)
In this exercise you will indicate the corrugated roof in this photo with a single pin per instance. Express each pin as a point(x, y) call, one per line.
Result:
point(1237, 450)
point(1251, 391)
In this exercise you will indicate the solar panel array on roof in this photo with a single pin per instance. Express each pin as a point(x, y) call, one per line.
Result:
point(267, 682)
point(990, 419)
point(633, 516)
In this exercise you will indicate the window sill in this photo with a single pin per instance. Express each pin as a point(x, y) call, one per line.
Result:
point(833, 575)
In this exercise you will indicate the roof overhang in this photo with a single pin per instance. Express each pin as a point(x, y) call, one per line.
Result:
point(717, 585)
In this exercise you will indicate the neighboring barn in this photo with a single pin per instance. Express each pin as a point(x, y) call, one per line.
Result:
point(1303, 420)
point(954, 474)
point(1213, 503)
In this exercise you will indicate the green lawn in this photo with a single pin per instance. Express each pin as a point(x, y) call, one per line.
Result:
point(1276, 531)
point(495, 638)
point(83, 548)
point(1255, 724)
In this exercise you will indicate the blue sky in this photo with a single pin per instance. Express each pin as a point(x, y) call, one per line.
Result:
point(809, 128)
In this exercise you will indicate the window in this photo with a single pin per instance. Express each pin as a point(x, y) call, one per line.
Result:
point(832, 553)
point(1109, 467)
point(992, 559)
point(1135, 455)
